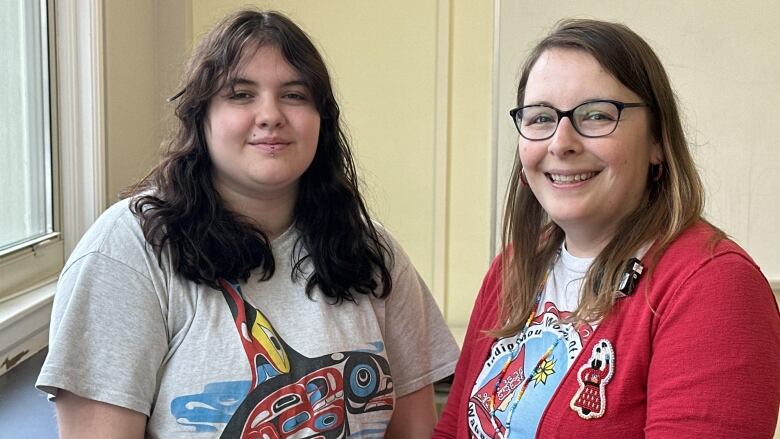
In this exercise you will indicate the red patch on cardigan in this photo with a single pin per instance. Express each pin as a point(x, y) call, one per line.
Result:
point(590, 401)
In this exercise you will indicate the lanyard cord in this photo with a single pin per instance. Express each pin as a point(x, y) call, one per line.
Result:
point(512, 356)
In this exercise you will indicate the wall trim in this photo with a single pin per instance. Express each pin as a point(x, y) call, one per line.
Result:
point(441, 145)
point(81, 128)
point(495, 238)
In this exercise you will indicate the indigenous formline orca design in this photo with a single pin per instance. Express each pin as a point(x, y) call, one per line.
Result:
point(291, 395)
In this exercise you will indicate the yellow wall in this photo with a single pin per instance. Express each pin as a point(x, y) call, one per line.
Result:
point(146, 43)
point(382, 60)
point(468, 237)
point(722, 59)
point(397, 68)
point(414, 83)
point(129, 86)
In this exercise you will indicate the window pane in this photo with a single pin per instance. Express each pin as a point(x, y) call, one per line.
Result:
point(25, 154)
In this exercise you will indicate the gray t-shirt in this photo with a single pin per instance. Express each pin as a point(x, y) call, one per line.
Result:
point(257, 357)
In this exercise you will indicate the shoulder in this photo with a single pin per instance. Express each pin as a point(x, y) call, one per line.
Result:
point(701, 244)
point(486, 302)
point(702, 260)
point(116, 235)
point(408, 285)
point(495, 272)
point(494, 276)
point(400, 261)
point(116, 222)
point(702, 238)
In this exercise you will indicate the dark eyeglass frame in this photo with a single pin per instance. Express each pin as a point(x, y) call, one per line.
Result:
point(570, 113)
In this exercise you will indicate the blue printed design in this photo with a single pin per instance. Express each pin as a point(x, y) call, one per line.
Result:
point(363, 381)
point(544, 332)
point(265, 372)
point(378, 348)
point(215, 405)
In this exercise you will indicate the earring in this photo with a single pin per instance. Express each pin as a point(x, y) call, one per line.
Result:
point(523, 179)
point(656, 172)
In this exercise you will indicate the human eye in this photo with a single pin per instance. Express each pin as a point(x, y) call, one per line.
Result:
point(596, 115)
point(296, 95)
point(538, 116)
point(238, 95)
point(542, 118)
point(597, 112)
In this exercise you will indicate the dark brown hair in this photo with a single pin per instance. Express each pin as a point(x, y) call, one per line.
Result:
point(531, 240)
point(180, 209)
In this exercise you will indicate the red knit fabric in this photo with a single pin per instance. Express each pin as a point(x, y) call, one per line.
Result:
point(706, 363)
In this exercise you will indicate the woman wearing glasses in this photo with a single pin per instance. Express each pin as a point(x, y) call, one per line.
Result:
point(615, 309)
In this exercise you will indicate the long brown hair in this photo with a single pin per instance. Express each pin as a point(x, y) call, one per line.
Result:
point(531, 239)
point(180, 209)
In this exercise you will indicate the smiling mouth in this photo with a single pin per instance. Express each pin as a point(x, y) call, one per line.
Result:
point(274, 143)
point(270, 147)
point(572, 178)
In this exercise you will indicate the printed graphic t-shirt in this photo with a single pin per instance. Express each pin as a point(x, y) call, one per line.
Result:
point(259, 358)
point(559, 299)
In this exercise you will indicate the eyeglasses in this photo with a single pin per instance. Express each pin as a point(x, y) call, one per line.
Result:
point(590, 119)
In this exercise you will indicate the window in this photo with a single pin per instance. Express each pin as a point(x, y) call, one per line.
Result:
point(31, 250)
point(51, 156)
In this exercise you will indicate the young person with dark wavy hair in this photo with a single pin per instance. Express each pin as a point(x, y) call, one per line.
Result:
point(241, 289)
point(615, 309)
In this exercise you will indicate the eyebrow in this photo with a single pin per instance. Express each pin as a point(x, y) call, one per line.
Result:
point(244, 81)
point(549, 104)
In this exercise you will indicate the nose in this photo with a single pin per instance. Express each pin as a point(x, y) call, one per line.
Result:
point(268, 114)
point(566, 140)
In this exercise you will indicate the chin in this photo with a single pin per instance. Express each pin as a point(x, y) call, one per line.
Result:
point(568, 215)
point(571, 220)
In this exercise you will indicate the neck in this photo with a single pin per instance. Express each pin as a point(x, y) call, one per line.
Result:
point(273, 213)
point(582, 244)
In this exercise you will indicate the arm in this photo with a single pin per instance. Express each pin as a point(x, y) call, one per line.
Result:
point(715, 370)
point(118, 361)
point(83, 418)
point(453, 415)
point(414, 415)
point(420, 349)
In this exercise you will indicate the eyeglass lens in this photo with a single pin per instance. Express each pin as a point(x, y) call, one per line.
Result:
point(589, 119)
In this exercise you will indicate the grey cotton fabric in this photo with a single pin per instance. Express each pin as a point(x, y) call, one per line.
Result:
point(132, 333)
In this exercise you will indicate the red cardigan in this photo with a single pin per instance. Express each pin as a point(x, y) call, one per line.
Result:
point(706, 363)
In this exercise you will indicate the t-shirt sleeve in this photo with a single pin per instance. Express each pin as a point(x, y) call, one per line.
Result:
point(108, 336)
point(420, 346)
point(715, 370)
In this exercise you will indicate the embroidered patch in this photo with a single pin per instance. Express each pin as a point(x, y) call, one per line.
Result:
point(590, 401)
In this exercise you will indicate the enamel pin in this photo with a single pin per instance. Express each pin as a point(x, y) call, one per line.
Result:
point(590, 401)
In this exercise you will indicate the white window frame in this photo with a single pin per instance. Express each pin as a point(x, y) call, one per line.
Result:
point(39, 257)
point(80, 188)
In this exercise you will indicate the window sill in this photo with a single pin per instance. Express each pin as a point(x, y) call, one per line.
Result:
point(24, 324)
